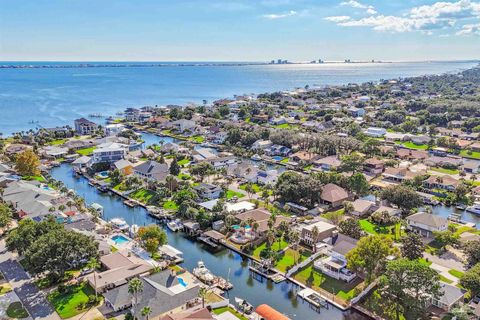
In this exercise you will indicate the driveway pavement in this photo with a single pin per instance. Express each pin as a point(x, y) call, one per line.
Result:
point(32, 299)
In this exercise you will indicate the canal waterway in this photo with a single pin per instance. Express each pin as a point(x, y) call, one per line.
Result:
point(226, 263)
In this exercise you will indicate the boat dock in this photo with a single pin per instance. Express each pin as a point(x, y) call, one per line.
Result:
point(212, 238)
point(264, 270)
point(313, 298)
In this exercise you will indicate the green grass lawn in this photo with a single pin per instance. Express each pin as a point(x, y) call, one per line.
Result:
point(256, 188)
point(170, 205)
point(232, 311)
point(5, 288)
point(412, 145)
point(470, 154)
point(371, 228)
point(183, 162)
point(57, 142)
point(142, 195)
point(72, 302)
point(446, 280)
point(284, 160)
point(283, 126)
point(317, 280)
point(86, 151)
point(38, 178)
point(184, 176)
point(455, 273)
point(288, 259)
point(16, 310)
point(230, 194)
point(444, 170)
point(277, 246)
point(425, 262)
point(198, 139)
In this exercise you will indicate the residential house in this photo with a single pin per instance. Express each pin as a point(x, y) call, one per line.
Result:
point(426, 224)
point(85, 127)
point(400, 174)
point(261, 144)
point(362, 207)
point(109, 152)
point(374, 166)
point(183, 125)
point(328, 163)
point(333, 195)
point(114, 129)
point(267, 177)
point(335, 262)
point(471, 167)
point(411, 154)
point(375, 132)
point(82, 162)
point(125, 167)
point(278, 150)
point(450, 296)
point(195, 314)
point(243, 170)
point(356, 112)
point(208, 191)
point(152, 170)
point(304, 157)
point(324, 230)
point(445, 182)
point(261, 216)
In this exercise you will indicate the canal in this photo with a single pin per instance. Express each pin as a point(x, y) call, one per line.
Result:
point(226, 263)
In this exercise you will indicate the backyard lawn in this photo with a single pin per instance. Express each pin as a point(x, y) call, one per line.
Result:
point(57, 142)
point(317, 280)
point(183, 162)
point(219, 311)
point(470, 154)
point(198, 139)
point(142, 195)
point(444, 170)
point(230, 194)
point(256, 188)
point(283, 126)
point(277, 246)
point(455, 273)
point(170, 205)
point(371, 228)
point(86, 151)
point(412, 145)
point(72, 302)
point(288, 259)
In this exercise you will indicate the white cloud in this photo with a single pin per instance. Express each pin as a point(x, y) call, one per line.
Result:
point(274, 16)
point(425, 19)
point(338, 18)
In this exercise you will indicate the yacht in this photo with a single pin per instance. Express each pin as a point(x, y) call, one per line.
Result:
point(202, 273)
point(243, 306)
point(175, 225)
point(119, 223)
point(475, 208)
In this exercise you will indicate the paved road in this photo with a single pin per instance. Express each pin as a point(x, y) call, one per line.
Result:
point(32, 299)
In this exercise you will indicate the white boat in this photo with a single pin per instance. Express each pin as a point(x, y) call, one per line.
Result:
point(97, 207)
point(175, 225)
point(475, 208)
point(461, 207)
point(256, 157)
point(243, 306)
point(133, 230)
point(202, 273)
point(119, 223)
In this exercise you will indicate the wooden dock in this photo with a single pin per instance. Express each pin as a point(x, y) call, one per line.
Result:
point(313, 298)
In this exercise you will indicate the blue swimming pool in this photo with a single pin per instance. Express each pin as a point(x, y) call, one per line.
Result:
point(119, 239)
point(277, 158)
point(103, 174)
point(182, 282)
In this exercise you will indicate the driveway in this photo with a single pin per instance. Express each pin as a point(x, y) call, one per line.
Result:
point(32, 299)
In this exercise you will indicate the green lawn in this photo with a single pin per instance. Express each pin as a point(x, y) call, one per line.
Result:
point(184, 176)
point(455, 273)
point(183, 162)
point(230, 194)
point(256, 188)
point(86, 151)
point(425, 262)
point(170, 205)
point(197, 139)
point(38, 178)
point(57, 142)
point(412, 145)
point(470, 154)
point(73, 301)
point(288, 259)
point(142, 195)
point(16, 310)
point(444, 170)
point(371, 228)
point(446, 280)
point(283, 126)
point(284, 160)
point(277, 246)
point(5, 288)
point(233, 311)
point(317, 280)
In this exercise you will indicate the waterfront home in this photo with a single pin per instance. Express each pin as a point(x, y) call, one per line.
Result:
point(197, 314)
point(304, 157)
point(163, 292)
point(125, 167)
point(261, 216)
point(208, 191)
point(412, 154)
point(267, 177)
point(152, 170)
point(472, 167)
point(449, 162)
point(375, 132)
point(374, 166)
point(243, 170)
point(450, 296)
point(445, 182)
point(183, 125)
point(170, 147)
point(382, 208)
point(82, 162)
point(54, 152)
point(400, 174)
point(114, 129)
point(120, 270)
point(14, 148)
point(109, 152)
point(77, 144)
point(333, 195)
point(277, 150)
point(426, 224)
point(324, 230)
point(334, 264)
point(85, 127)
point(328, 163)
point(362, 207)
point(261, 144)
point(265, 312)
point(203, 154)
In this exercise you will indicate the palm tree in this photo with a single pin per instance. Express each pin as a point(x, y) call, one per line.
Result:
point(135, 286)
point(270, 238)
point(315, 233)
point(203, 293)
point(94, 264)
point(294, 237)
point(146, 311)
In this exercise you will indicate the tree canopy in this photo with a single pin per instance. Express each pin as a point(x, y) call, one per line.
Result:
point(27, 163)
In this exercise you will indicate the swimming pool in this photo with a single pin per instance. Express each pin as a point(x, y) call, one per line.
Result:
point(277, 158)
point(181, 281)
point(103, 174)
point(119, 239)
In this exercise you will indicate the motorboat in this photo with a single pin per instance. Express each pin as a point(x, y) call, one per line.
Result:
point(256, 157)
point(243, 306)
point(461, 206)
point(202, 273)
point(175, 225)
point(119, 223)
point(475, 208)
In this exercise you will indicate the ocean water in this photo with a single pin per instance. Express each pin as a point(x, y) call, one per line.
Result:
point(56, 96)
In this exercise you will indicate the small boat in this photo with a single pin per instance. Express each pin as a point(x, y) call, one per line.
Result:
point(175, 225)
point(461, 207)
point(119, 223)
point(256, 157)
point(133, 230)
point(475, 208)
point(98, 208)
point(130, 203)
point(202, 273)
point(243, 306)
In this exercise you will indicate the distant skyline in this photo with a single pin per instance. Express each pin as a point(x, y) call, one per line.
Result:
point(211, 30)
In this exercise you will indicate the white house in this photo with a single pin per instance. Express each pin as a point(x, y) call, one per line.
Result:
point(425, 223)
point(261, 144)
point(375, 132)
point(109, 152)
point(267, 177)
point(114, 129)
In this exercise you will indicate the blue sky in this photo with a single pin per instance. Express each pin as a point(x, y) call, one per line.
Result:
point(236, 30)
